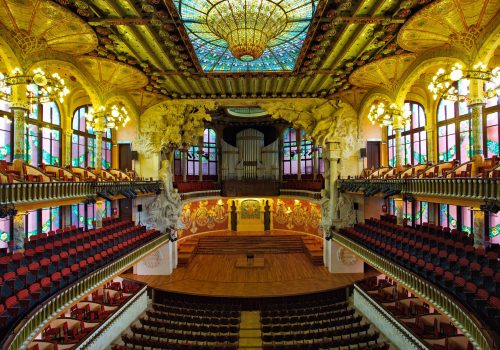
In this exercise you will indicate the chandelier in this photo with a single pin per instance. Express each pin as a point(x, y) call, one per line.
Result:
point(247, 26)
point(50, 87)
point(442, 84)
point(107, 117)
point(388, 115)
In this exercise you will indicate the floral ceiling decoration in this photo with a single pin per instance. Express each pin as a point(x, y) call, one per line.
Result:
point(185, 58)
point(250, 35)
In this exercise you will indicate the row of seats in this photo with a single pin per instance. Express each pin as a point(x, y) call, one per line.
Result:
point(189, 318)
point(431, 327)
point(304, 185)
point(28, 280)
point(145, 342)
point(303, 311)
point(309, 318)
point(19, 171)
point(85, 316)
point(473, 278)
point(196, 186)
point(490, 168)
point(194, 311)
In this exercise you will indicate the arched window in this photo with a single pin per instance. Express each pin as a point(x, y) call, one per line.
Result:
point(83, 142)
point(491, 130)
point(42, 133)
point(209, 157)
point(6, 136)
point(413, 137)
point(454, 128)
point(290, 156)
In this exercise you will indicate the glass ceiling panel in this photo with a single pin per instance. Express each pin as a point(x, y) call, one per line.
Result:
point(280, 52)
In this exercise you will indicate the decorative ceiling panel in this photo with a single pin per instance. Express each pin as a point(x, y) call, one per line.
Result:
point(213, 52)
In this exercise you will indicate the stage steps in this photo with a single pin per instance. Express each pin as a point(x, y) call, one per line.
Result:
point(225, 245)
point(314, 249)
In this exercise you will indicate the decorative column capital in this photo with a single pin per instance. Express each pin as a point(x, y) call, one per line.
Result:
point(20, 106)
point(473, 102)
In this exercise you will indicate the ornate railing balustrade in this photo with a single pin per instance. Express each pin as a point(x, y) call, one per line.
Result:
point(301, 193)
point(459, 188)
point(38, 318)
point(29, 192)
point(451, 307)
point(199, 194)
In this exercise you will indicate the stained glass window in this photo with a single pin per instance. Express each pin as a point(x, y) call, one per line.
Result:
point(5, 229)
point(408, 212)
point(193, 161)
point(78, 215)
point(83, 142)
point(413, 137)
point(448, 216)
point(31, 223)
point(492, 132)
point(43, 135)
point(421, 213)
point(51, 219)
point(177, 163)
point(467, 219)
point(209, 157)
point(290, 157)
point(494, 228)
point(280, 53)
point(6, 136)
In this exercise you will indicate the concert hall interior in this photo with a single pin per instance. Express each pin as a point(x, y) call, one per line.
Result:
point(249, 174)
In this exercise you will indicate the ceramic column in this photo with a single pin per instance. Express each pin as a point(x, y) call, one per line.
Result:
point(19, 232)
point(184, 153)
point(398, 204)
point(479, 231)
point(335, 150)
point(68, 134)
point(20, 111)
point(100, 206)
point(280, 155)
point(399, 147)
point(315, 161)
point(218, 144)
point(476, 104)
point(98, 151)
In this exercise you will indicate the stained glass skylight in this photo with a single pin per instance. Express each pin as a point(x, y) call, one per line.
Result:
point(280, 52)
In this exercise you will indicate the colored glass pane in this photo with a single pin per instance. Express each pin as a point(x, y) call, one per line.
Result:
point(492, 132)
point(494, 224)
point(467, 220)
point(31, 224)
point(51, 153)
point(213, 53)
point(50, 219)
point(5, 233)
point(448, 216)
point(31, 144)
point(5, 139)
point(465, 141)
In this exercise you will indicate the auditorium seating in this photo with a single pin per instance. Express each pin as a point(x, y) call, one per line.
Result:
point(84, 317)
point(315, 323)
point(195, 186)
point(419, 317)
point(52, 261)
point(186, 324)
point(446, 258)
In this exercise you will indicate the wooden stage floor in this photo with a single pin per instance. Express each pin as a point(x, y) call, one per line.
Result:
point(282, 275)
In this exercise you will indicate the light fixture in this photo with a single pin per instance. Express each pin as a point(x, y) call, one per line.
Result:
point(385, 115)
point(50, 87)
point(108, 117)
point(247, 26)
point(443, 82)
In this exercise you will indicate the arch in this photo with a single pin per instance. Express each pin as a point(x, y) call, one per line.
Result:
point(7, 53)
point(490, 43)
point(373, 95)
point(84, 79)
point(127, 101)
point(433, 58)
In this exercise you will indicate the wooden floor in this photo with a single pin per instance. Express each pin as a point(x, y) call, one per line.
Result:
point(283, 274)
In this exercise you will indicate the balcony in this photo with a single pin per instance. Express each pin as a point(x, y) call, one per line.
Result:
point(475, 189)
point(28, 192)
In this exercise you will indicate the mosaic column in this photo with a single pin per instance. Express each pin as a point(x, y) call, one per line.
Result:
point(280, 156)
point(19, 232)
point(218, 144)
point(476, 104)
point(100, 206)
point(298, 139)
point(399, 147)
point(20, 110)
point(398, 206)
point(335, 151)
point(68, 134)
point(431, 145)
point(478, 229)
point(98, 153)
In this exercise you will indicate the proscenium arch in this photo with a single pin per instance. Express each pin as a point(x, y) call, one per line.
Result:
point(421, 65)
point(83, 78)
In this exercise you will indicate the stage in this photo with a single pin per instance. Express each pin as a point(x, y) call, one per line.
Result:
point(279, 275)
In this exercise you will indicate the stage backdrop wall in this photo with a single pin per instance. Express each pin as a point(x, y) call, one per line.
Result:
point(204, 216)
point(296, 215)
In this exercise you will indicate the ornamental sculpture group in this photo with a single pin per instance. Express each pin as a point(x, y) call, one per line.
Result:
point(178, 125)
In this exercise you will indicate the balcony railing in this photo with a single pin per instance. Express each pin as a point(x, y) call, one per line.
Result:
point(29, 192)
point(459, 188)
point(463, 319)
point(301, 193)
point(29, 326)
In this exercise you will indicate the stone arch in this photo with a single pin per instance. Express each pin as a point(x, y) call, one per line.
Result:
point(84, 79)
point(434, 58)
